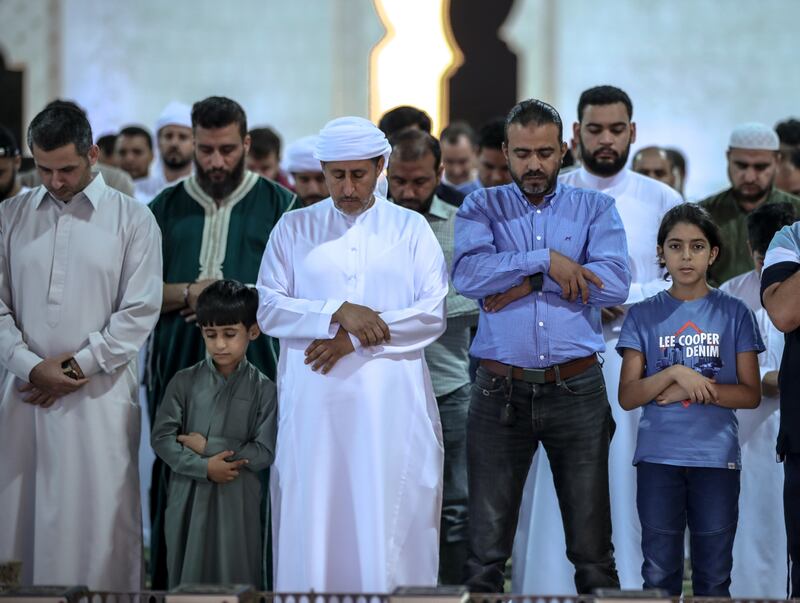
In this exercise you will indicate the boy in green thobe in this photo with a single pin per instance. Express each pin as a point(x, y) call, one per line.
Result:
point(216, 429)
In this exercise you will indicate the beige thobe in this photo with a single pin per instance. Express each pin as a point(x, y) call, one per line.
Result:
point(83, 278)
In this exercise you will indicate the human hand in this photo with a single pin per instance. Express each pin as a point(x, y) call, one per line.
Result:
point(673, 393)
point(194, 442)
point(611, 313)
point(222, 471)
point(698, 389)
point(48, 377)
point(573, 278)
point(36, 397)
point(498, 301)
point(195, 289)
point(325, 353)
point(365, 323)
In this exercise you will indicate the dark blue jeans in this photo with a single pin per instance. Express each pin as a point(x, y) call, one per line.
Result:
point(573, 422)
point(707, 499)
point(453, 409)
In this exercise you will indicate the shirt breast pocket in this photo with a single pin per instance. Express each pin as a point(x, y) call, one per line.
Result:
point(569, 241)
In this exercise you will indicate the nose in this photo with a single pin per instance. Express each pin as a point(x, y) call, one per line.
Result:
point(605, 138)
point(216, 160)
point(348, 186)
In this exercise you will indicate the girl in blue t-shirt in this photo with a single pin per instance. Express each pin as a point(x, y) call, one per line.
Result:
point(689, 358)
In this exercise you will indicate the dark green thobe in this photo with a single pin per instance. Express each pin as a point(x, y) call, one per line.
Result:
point(210, 528)
point(735, 258)
point(201, 240)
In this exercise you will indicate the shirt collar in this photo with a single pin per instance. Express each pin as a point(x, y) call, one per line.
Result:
point(438, 209)
point(549, 199)
point(93, 192)
point(600, 183)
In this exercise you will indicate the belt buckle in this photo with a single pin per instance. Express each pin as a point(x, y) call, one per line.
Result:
point(534, 376)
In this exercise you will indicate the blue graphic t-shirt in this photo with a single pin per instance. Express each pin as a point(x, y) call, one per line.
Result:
point(704, 334)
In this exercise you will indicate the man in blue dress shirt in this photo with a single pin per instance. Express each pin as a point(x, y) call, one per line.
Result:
point(543, 258)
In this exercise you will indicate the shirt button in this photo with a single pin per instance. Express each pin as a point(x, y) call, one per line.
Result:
point(540, 293)
point(541, 324)
point(538, 211)
point(541, 356)
point(353, 249)
point(538, 237)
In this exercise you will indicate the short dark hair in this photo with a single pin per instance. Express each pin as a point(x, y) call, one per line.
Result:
point(604, 95)
point(8, 143)
point(456, 130)
point(788, 132)
point(689, 213)
point(492, 134)
point(227, 302)
point(533, 111)
point(218, 112)
point(264, 142)
point(106, 143)
point(402, 117)
point(767, 219)
point(132, 131)
point(412, 144)
point(59, 124)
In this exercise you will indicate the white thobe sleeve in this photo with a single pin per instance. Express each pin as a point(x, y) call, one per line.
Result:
point(279, 313)
point(418, 326)
point(138, 302)
point(14, 352)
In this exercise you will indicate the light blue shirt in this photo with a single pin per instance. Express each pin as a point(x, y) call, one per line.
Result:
point(501, 238)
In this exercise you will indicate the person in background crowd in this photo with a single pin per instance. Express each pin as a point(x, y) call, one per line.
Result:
point(460, 157)
point(264, 156)
point(106, 144)
point(492, 164)
point(133, 151)
point(10, 160)
point(306, 171)
point(655, 162)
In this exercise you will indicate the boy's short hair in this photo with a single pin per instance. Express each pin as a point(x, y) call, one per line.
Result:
point(227, 302)
point(764, 221)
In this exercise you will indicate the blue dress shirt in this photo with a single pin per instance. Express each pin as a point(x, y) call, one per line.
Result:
point(501, 238)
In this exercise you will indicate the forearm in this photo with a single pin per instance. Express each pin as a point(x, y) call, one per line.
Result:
point(174, 297)
point(781, 304)
point(640, 392)
point(478, 275)
point(738, 396)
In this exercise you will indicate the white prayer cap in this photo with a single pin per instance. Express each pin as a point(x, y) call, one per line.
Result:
point(754, 136)
point(175, 114)
point(351, 139)
point(299, 156)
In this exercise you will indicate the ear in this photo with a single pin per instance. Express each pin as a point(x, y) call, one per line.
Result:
point(94, 153)
point(713, 256)
point(439, 173)
point(381, 164)
point(660, 253)
point(564, 148)
point(576, 130)
point(633, 132)
point(253, 332)
point(246, 144)
point(505, 150)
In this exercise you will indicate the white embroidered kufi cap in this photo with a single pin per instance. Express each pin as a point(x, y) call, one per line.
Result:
point(175, 114)
point(754, 136)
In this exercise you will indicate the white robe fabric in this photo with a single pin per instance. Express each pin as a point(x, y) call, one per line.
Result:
point(82, 278)
point(539, 560)
point(357, 481)
point(759, 551)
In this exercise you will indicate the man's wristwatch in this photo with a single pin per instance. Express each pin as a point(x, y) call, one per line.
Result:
point(537, 281)
point(72, 369)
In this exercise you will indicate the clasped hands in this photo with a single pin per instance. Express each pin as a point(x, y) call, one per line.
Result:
point(362, 322)
point(220, 469)
point(573, 279)
point(48, 382)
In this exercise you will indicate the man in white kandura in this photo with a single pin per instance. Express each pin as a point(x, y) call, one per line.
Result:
point(354, 287)
point(80, 290)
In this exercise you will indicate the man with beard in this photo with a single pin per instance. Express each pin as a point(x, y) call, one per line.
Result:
point(604, 132)
point(415, 169)
point(753, 160)
point(309, 181)
point(215, 224)
point(175, 144)
point(539, 378)
point(10, 160)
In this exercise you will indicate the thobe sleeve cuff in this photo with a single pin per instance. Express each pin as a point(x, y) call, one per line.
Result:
point(326, 324)
point(86, 360)
point(356, 343)
point(23, 362)
point(197, 468)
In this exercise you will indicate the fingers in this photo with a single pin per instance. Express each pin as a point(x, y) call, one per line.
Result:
point(36, 397)
point(234, 465)
point(223, 455)
point(592, 278)
point(49, 402)
point(385, 328)
point(330, 364)
point(379, 333)
point(321, 359)
point(312, 346)
point(183, 438)
point(318, 350)
point(26, 387)
point(583, 286)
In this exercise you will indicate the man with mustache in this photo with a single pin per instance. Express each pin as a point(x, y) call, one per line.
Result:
point(605, 132)
point(539, 379)
point(753, 160)
point(175, 146)
point(215, 225)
